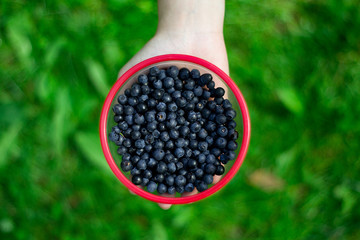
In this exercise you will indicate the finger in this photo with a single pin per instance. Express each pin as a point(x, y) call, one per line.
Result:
point(166, 206)
point(216, 179)
point(185, 194)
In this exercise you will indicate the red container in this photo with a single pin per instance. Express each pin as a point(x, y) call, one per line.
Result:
point(164, 61)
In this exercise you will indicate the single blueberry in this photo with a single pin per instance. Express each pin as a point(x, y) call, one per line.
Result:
point(159, 154)
point(195, 74)
point(219, 92)
point(199, 173)
point(113, 136)
point(171, 167)
point(162, 188)
point(168, 82)
point(210, 85)
point(171, 190)
point(126, 165)
point(172, 71)
point(161, 167)
point(122, 99)
point(208, 179)
point(189, 187)
point(118, 109)
point(152, 162)
point(220, 170)
point(178, 85)
point(184, 73)
point(232, 145)
point(162, 74)
point(172, 107)
point(145, 90)
point(222, 131)
point(180, 189)
point(136, 179)
point(141, 165)
point(161, 116)
point(189, 85)
point(152, 186)
point(201, 186)
point(143, 79)
point(154, 71)
point(174, 134)
point(132, 101)
point(169, 180)
point(121, 150)
point(220, 119)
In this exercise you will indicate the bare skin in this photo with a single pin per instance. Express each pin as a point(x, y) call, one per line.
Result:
point(192, 27)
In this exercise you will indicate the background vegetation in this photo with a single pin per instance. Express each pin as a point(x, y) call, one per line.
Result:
point(297, 64)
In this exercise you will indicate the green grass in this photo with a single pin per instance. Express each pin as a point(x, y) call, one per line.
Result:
point(297, 64)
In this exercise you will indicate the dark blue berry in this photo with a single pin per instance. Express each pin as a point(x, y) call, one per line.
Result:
point(201, 186)
point(181, 102)
point(132, 101)
point(171, 167)
point(172, 71)
point(169, 180)
point(178, 84)
point(172, 107)
point(180, 180)
point(169, 144)
point(232, 145)
point(195, 127)
point(174, 134)
point(180, 189)
point(159, 154)
point(189, 84)
point(121, 150)
point(161, 167)
point(210, 169)
point(159, 178)
point(136, 179)
point(113, 136)
point(141, 165)
point(179, 152)
point(211, 85)
point(208, 179)
point(199, 173)
point(157, 84)
point(161, 116)
point(171, 190)
point(162, 188)
point(222, 131)
point(158, 94)
point(126, 165)
point(193, 144)
point(143, 79)
point(220, 170)
point(135, 90)
point(145, 90)
point(122, 99)
point(151, 126)
point(220, 119)
point(140, 143)
point(152, 162)
point(151, 103)
point(191, 163)
point(206, 94)
point(195, 74)
point(118, 109)
point(168, 82)
point(154, 71)
point(189, 187)
point(219, 92)
point(152, 186)
point(118, 118)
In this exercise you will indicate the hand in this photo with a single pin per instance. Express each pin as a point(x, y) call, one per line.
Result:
point(197, 32)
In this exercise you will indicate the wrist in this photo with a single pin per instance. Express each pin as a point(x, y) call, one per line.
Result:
point(191, 17)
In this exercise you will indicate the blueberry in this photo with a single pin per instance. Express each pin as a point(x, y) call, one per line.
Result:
point(135, 90)
point(181, 120)
point(211, 85)
point(152, 186)
point(156, 133)
point(201, 186)
point(166, 98)
point(219, 92)
point(208, 179)
point(195, 127)
point(195, 74)
point(226, 103)
point(150, 116)
point(136, 179)
point(135, 171)
point(172, 107)
point(180, 142)
point(157, 84)
point(232, 145)
point(127, 92)
point(169, 180)
point(189, 187)
point(210, 159)
point(216, 152)
point(189, 84)
point(172, 123)
point(159, 178)
point(179, 152)
point(144, 182)
point(199, 173)
point(180, 112)
point(176, 94)
point(220, 119)
point(158, 144)
point(121, 150)
point(224, 158)
point(184, 73)
point(180, 189)
point(192, 136)
point(168, 82)
point(126, 165)
point(162, 74)
point(191, 163)
point(205, 113)
point(191, 116)
point(129, 119)
point(135, 135)
point(141, 107)
point(127, 143)
point(161, 116)
point(219, 100)
point(190, 177)
point(179, 165)
point(171, 167)
point(181, 102)
point(158, 94)
point(233, 134)
point(206, 94)
point(222, 131)
point(196, 153)
point(202, 146)
point(118, 118)
point(140, 143)
point(162, 188)
point(159, 154)
point(141, 165)
point(193, 144)
point(169, 144)
point(210, 169)
point(198, 91)
point(180, 180)
point(178, 85)
point(188, 95)
point(154, 71)
point(164, 136)
point(204, 79)
point(139, 119)
point(174, 134)
point(231, 124)
point(132, 101)
point(143, 79)
point(230, 114)
point(219, 109)
point(151, 126)
point(171, 190)
point(151, 103)
point(172, 71)
point(127, 133)
point(171, 90)
point(199, 106)
point(148, 147)
point(118, 109)
point(161, 167)
point(145, 90)
point(210, 126)
point(202, 133)
point(152, 162)
point(122, 99)
point(209, 140)
point(220, 170)
point(113, 136)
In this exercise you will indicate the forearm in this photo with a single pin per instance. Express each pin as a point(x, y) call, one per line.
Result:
point(191, 16)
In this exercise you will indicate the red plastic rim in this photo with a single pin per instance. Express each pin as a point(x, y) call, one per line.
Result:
point(175, 200)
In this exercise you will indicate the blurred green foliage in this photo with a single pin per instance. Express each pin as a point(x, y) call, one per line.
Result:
point(297, 64)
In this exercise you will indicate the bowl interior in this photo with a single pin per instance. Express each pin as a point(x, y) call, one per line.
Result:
point(162, 65)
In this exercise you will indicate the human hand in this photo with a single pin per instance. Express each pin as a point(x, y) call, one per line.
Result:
point(202, 39)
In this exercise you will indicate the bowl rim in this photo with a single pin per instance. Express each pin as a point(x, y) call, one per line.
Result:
point(104, 139)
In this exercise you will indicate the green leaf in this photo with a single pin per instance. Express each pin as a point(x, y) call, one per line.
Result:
point(8, 140)
point(291, 100)
point(89, 144)
point(159, 231)
point(97, 76)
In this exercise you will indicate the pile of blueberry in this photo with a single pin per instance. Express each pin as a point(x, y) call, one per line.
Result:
point(174, 130)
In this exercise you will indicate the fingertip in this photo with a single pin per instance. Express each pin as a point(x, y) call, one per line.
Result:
point(164, 206)
point(216, 179)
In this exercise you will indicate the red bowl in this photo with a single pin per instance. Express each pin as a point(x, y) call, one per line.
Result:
point(163, 61)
